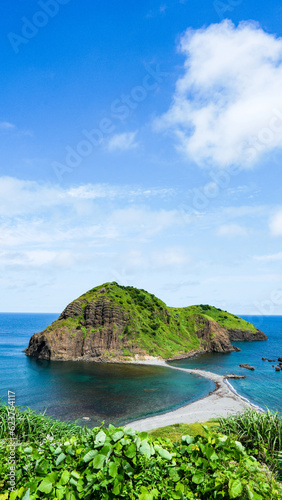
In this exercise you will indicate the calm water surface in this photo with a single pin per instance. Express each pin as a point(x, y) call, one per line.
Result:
point(113, 393)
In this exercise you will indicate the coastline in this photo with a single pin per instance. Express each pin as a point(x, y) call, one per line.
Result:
point(223, 401)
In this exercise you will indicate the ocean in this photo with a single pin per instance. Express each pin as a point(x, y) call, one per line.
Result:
point(109, 393)
point(263, 386)
point(117, 393)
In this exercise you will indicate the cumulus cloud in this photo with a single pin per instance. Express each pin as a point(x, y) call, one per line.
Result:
point(227, 106)
point(123, 142)
point(232, 230)
point(276, 224)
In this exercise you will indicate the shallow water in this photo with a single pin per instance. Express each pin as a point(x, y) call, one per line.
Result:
point(113, 393)
point(263, 386)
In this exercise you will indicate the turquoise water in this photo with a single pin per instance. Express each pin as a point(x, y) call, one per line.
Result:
point(263, 386)
point(113, 393)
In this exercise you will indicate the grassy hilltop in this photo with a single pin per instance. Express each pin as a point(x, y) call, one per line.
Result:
point(112, 321)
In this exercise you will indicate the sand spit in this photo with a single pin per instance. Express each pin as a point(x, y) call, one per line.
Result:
point(221, 402)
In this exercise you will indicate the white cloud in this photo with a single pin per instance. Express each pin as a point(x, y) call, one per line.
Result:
point(269, 258)
point(227, 107)
point(231, 230)
point(6, 126)
point(276, 224)
point(123, 142)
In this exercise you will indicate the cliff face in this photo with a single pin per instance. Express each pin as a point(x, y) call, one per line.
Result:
point(112, 323)
point(236, 335)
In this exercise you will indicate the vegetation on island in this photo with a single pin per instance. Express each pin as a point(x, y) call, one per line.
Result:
point(58, 460)
point(121, 321)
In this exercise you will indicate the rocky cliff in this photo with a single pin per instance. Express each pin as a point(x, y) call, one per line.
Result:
point(111, 323)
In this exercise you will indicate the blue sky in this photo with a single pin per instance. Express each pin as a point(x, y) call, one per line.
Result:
point(141, 144)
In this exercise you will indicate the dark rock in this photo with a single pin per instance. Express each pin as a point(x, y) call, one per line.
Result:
point(271, 360)
point(240, 335)
point(232, 375)
point(264, 359)
point(277, 368)
point(280, 359)
point(246, 365)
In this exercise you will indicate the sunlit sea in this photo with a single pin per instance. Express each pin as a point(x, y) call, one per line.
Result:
point(109, 393)
point(117, 393)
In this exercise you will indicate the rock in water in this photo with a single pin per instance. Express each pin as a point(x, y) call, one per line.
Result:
point(246, 365)
point(117, 323)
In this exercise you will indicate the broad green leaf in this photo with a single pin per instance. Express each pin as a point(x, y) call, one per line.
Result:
point(98, 461)
point(129, 431)
point(163, 453)
point(145, 448)
point(26, 495)
point(90, 455)
point(131, 451)
point(100, 438)
point(28, 449)
point(117, 487)
point(4, 496)
point(75, 474)
point(117, 435)
point(60, 458)
point(45, 486)
point(113, 469)
point(188, 439)
point(61, 494)
point(239, 446)
point(179, 487)
point(65, 477)
point(57, 451)
point(146, 496)
point(198, 478)
point(235, 488)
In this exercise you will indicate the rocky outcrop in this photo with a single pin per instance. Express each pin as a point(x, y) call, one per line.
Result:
point(114, 323)
point(214, 337)
point(99, 334)
point(243, 335)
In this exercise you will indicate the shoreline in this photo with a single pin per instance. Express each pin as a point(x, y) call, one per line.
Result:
point(221, 402)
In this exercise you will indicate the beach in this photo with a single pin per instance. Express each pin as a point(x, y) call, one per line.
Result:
point(221, 402)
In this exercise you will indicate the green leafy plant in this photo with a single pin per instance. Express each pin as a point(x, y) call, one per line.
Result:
point(122, 463)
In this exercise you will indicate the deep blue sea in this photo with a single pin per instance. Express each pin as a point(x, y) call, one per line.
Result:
point(113, 393)
point(119, 393)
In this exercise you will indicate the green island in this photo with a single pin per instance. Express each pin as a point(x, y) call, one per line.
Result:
point(121, 323)
point(238, 457)
point(234, 457)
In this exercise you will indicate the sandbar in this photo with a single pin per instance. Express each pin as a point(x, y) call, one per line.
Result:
point(222, 402)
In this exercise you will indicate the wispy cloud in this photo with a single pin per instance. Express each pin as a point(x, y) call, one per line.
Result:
point(269, 258)
point(123, 142)
point(232, 230)
point(227, 107)
point(6, 126)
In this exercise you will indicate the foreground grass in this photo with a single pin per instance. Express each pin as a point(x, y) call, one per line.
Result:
point(176, 431)
point(57, 460)
point(261, 433)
